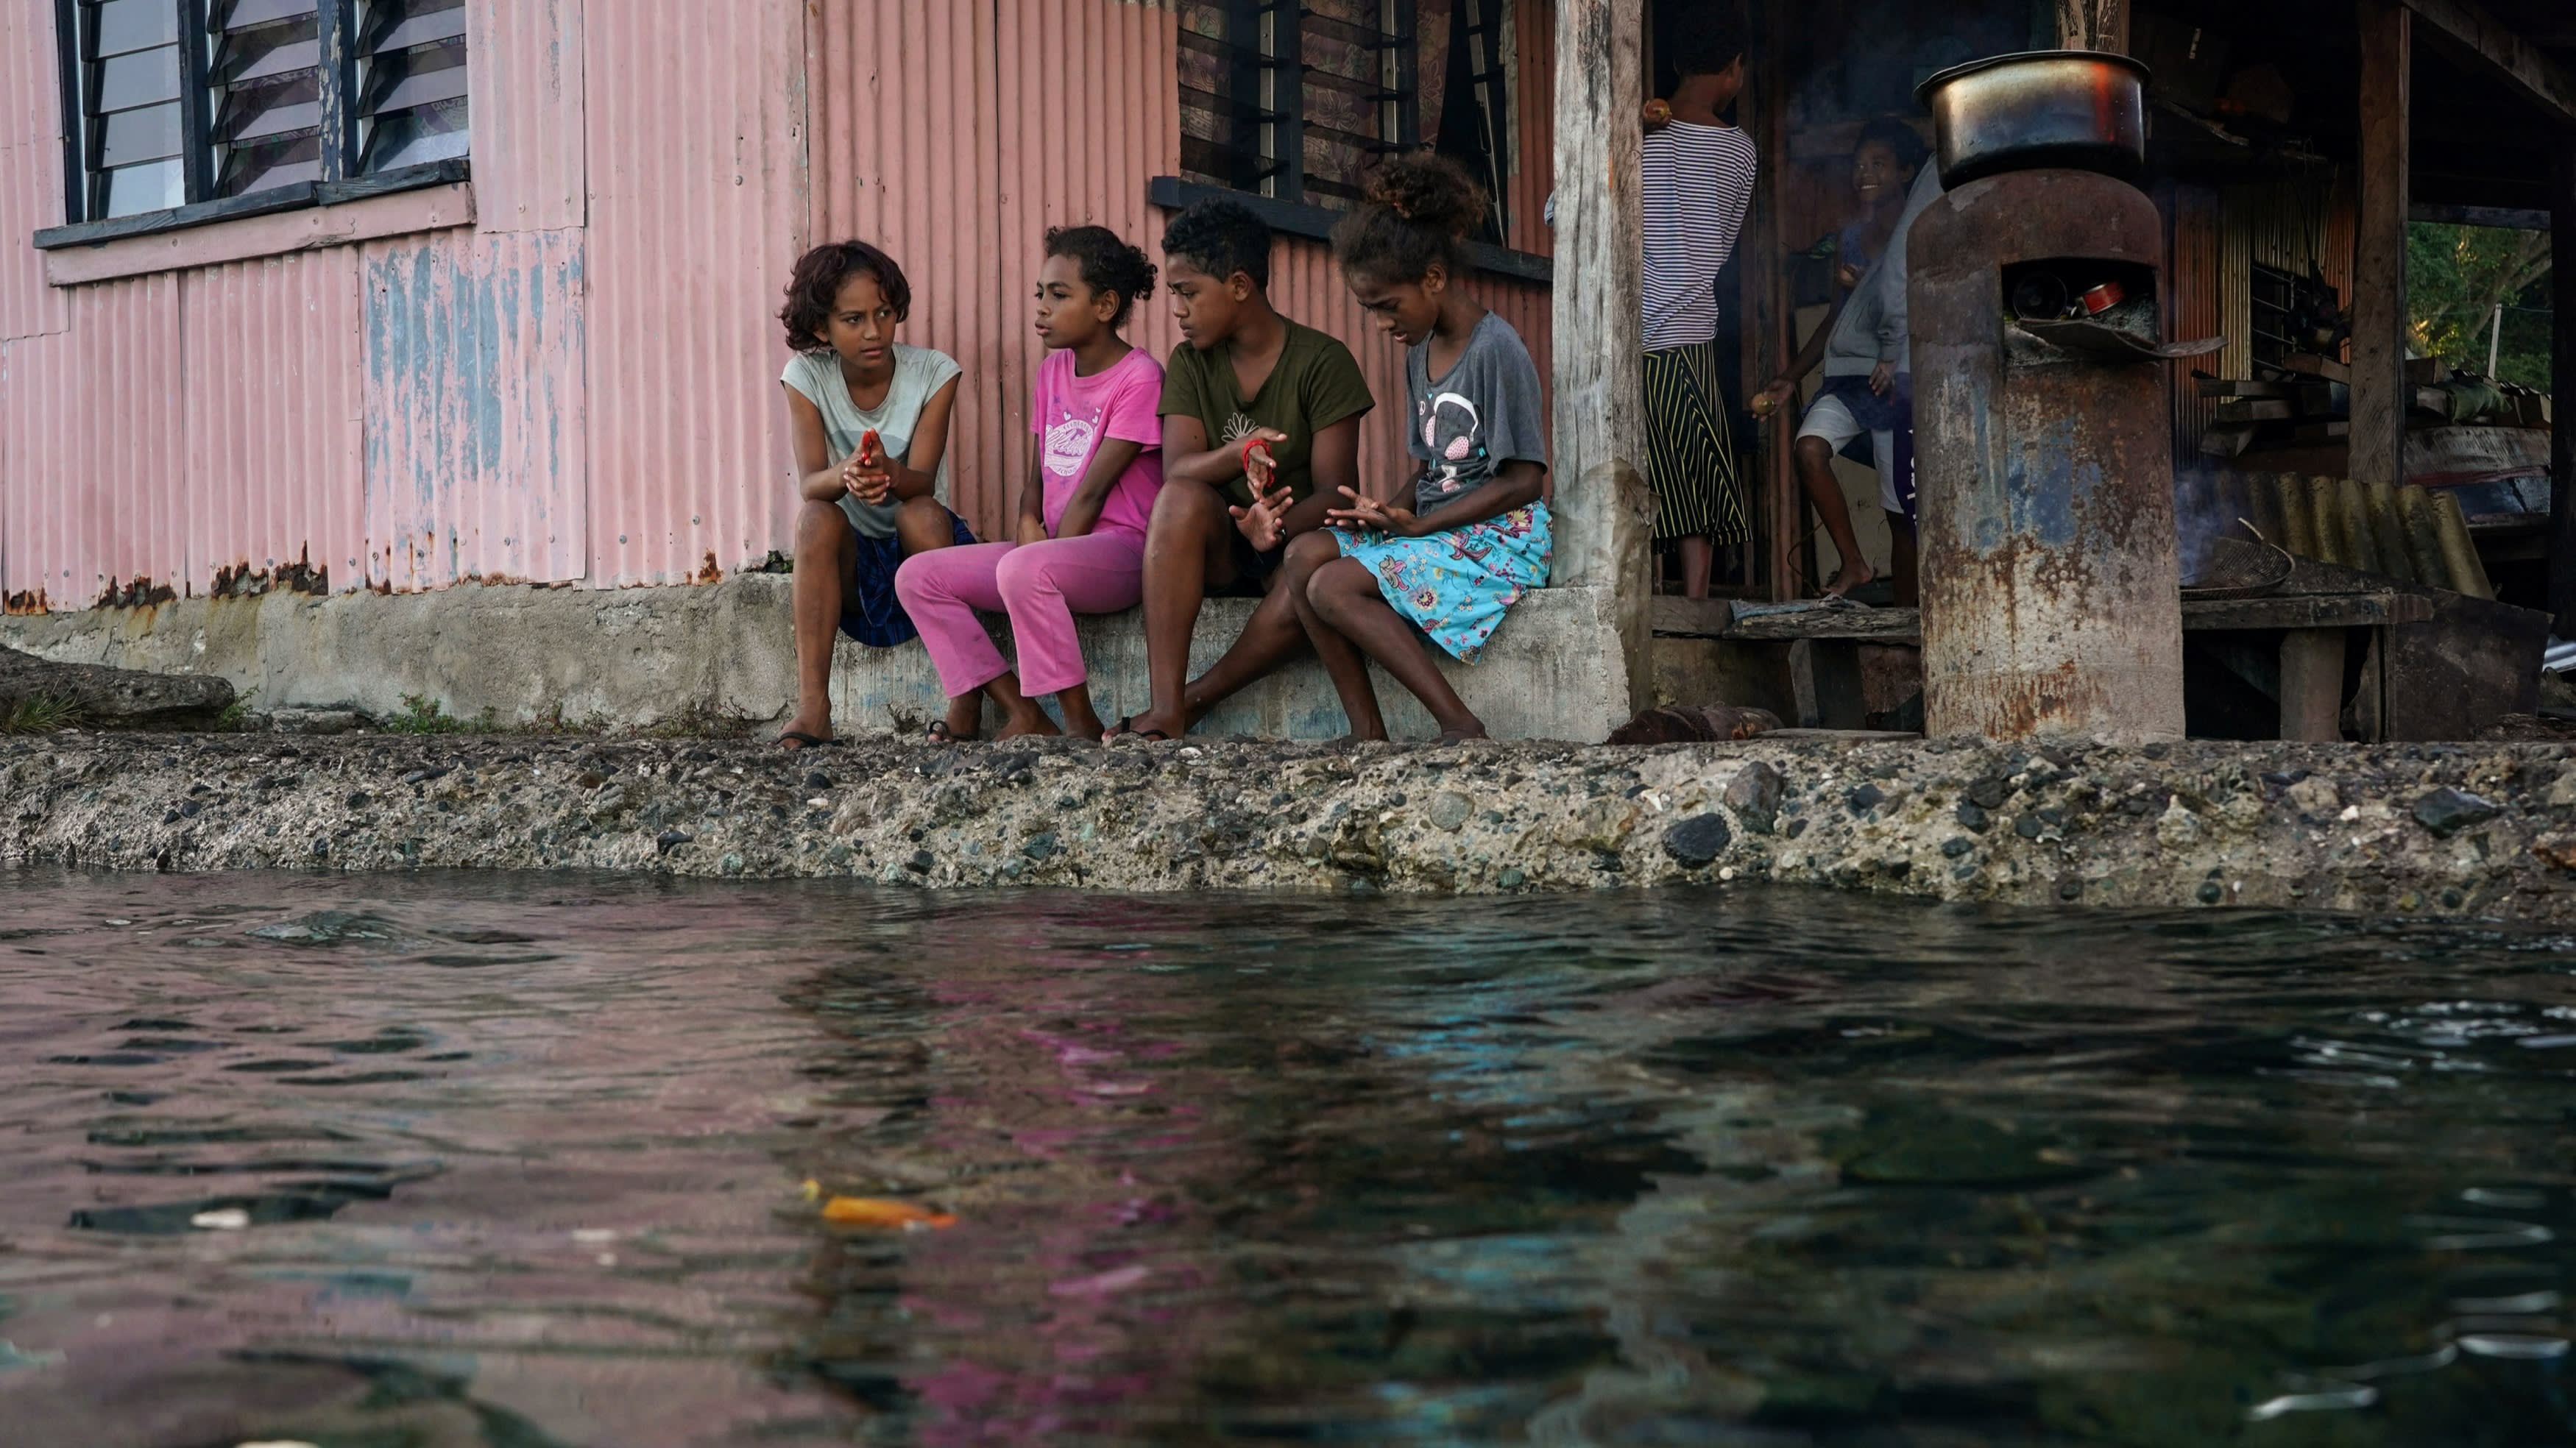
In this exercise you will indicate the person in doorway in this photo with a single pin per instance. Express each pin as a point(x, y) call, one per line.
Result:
point(869, 418)
point(1471, 536)
point(1261, 434)
point(1080, 544)
point(1698, 180)
point(1864, 347)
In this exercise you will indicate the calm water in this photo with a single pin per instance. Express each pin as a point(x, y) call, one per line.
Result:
point(516, 1162)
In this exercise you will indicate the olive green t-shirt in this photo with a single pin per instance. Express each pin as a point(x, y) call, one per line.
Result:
point(1314, 385)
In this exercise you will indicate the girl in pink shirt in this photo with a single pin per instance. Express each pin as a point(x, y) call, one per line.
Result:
point(1080, 545)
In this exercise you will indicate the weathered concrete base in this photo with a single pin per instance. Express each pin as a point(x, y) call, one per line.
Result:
point(656, 657)
point(2485, 831)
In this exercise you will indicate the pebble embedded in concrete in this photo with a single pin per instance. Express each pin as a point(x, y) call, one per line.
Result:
point(2363, 828)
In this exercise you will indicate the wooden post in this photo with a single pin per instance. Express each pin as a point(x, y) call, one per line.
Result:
point(1604, 513)
point(2379, 390)
point(2093, 25)
point(1773, 492)
point(2312, 685)
point(2562, 407)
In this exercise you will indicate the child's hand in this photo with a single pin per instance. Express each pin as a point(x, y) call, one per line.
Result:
point(1368, 515)
point(869, 474)
point(1260, 465)
point(1266, 521)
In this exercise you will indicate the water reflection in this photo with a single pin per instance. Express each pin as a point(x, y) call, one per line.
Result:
point(511, 1161)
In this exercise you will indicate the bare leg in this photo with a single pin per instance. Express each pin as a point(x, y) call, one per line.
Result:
point(1699, 557)
point(826, 571)
point(921, 525)
point(1187, 547)
point(1270, 638)
point(1345, 663)
point(1816, 471)
point(1021, 714)
point(1345, 595)
point(1081, 721)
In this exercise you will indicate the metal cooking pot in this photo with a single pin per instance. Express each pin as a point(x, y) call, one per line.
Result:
point(2080, 109)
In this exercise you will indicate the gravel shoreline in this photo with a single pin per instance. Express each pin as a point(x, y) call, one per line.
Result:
point(2472, 830)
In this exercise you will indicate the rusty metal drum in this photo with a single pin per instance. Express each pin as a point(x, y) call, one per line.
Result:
point(2044, 472)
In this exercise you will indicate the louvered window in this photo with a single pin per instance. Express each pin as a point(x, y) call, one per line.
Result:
point(411, 86)
point(224, 107)
point(1296, 99)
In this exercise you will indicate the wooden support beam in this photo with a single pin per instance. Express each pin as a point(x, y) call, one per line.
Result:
point(2093, 25)
point(2312, 685)
point(1604, 513)
point(2491, 48)
point(2562, 445)
point(1781, 503)
point(2380, 391)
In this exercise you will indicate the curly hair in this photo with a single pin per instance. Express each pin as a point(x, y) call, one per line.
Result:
point(817, 283)
point(1108, 264)
point(1419, 207)
point(1221, 238)
point(1899, 138)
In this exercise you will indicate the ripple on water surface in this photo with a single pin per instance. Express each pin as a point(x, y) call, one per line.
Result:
point(520, 1161)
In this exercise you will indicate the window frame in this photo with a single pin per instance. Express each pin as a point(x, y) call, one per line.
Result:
point(336, 27)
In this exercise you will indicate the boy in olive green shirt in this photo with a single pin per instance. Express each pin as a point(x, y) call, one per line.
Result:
point(1261, 432)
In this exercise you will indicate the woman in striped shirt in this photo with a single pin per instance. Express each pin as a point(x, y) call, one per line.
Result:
point(1698, 180)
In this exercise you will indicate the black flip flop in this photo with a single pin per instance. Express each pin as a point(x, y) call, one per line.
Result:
point(804, 741)
point(1126, 729)
point(940, 733)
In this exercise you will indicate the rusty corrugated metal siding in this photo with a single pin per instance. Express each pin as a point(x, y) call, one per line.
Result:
point(696, 163)
point(31, 168)
point(272, 367)
point(477, 424)
point(97, 476)
point(527, 75)
point(1534, 120)
point(2193, 303)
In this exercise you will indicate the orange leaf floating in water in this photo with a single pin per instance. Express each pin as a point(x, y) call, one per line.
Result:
point(879, 1212)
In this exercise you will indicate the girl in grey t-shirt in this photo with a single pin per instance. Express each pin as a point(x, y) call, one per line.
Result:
point(870, 419)
point(1470, 538)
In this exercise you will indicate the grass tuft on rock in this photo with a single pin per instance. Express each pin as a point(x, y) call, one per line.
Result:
point(41, 714)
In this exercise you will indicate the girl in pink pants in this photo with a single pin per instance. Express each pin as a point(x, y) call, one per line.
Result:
point(1081, 532)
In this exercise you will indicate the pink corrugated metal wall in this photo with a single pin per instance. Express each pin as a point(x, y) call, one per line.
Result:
point(96, 458)
point(477, 424)
point(583, 386)
point(696, 161)
point(1062, 111)
point(271, 457)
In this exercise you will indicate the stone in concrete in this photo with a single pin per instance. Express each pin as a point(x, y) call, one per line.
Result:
point(103, 697)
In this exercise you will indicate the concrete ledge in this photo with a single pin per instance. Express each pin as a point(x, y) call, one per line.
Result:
point(656, 657)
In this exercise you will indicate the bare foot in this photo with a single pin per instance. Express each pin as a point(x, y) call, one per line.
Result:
point(1033, 724)
point(1462, 732)
point(806, 731)
point(965, 719)
point(1080, 722)
point(1151, 727)
point(1855, 573)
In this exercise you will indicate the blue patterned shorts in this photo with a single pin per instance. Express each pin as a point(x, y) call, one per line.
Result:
point(1457, 585)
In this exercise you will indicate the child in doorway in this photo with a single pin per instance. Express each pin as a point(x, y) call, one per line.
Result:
point(1261, 434)
point(869, 418)
point(1473, 537)
point(1080, 544)
point(1863, 345)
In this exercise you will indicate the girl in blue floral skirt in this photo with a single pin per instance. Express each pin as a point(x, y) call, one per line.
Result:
point(1471, 538)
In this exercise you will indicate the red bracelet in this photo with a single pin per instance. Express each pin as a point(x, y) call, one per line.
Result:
point(1249, 444)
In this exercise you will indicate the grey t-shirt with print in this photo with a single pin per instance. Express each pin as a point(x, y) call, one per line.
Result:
point(1486, 411)
point(919, 373)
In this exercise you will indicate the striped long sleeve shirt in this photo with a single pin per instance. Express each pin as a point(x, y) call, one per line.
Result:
point(1698, 180)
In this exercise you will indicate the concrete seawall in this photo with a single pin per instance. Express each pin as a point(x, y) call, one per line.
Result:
point(646, 658)
point(2467, 831)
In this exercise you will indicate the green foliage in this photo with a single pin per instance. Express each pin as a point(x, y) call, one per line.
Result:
point(42, 714)
point(2455, 276)
point(425, 716)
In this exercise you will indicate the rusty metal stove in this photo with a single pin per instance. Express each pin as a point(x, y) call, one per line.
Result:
point(2044, 463)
